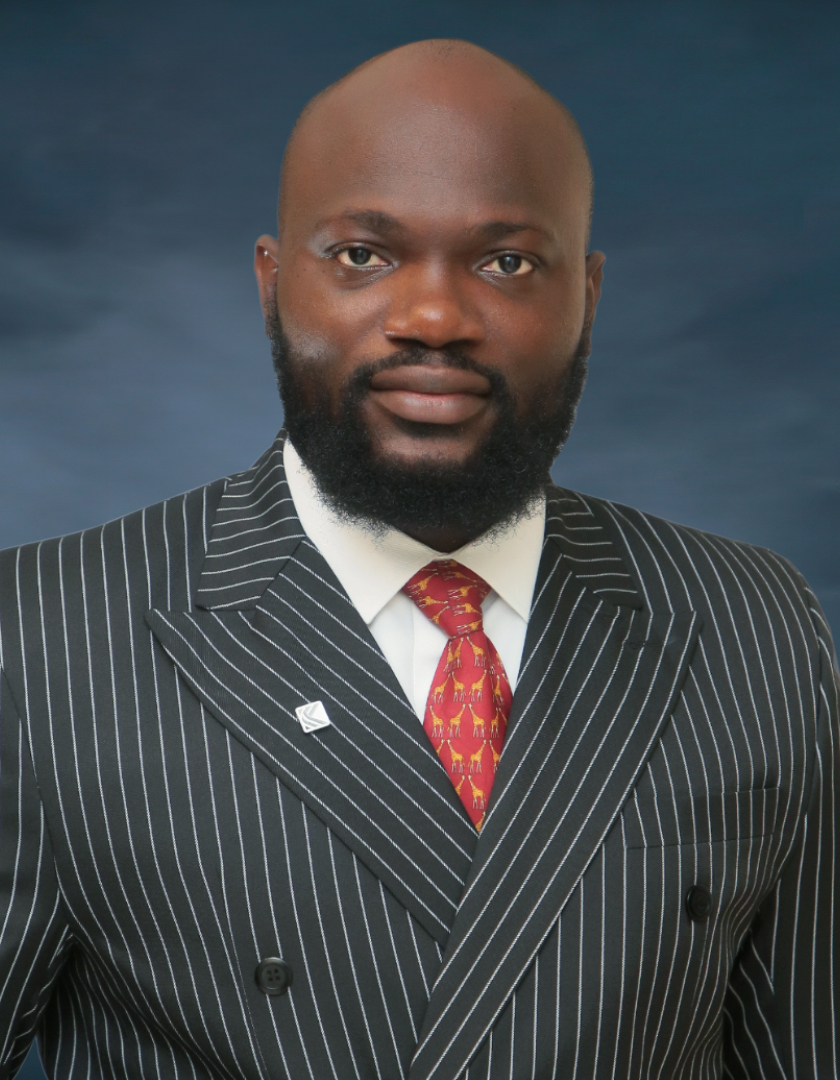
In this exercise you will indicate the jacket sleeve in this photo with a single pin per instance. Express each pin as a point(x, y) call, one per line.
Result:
point(34, 936)
point(782, 1015)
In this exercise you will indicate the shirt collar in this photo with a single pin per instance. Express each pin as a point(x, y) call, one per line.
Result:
point(373, 567)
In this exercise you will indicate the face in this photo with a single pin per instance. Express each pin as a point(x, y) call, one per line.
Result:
point(413, 234)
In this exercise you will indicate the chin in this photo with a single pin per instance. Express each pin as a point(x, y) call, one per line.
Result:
point(427, 449)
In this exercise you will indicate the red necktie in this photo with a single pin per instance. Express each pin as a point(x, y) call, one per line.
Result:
point(469, 702)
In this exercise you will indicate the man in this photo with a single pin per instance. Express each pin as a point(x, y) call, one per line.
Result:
point(386, 758)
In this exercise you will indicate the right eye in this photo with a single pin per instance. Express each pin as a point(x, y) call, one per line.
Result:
point(360, 256)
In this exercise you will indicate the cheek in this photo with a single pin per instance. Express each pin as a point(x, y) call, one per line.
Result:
point(313, 348)
point(540, 372)
point(308, 297)
point(301, 297)
point(536, 343)
point(306, 318)
point(315, 364)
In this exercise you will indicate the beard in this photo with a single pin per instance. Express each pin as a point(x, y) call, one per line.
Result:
point(496, 486)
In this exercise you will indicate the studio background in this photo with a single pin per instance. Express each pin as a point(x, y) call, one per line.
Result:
point(141, 150)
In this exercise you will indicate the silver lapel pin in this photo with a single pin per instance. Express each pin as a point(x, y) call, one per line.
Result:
point(312, 716)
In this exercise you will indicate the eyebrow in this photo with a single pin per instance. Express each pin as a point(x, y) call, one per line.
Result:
point(497, 230)
point(375, 220)
point(380, 222)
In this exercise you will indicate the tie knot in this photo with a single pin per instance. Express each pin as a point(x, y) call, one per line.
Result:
point(450, 595)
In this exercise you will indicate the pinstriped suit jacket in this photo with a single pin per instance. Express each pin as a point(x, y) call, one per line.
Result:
point(165, 823)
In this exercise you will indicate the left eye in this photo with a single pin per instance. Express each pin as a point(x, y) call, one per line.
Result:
point(509, 266)
point(360, 256)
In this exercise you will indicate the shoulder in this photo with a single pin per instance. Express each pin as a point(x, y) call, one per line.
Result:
point(691, 556)
point(742, 591)
point(114, 573)
point(144, 556)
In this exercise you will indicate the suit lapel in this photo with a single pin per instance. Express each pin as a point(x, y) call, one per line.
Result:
point(254, 532)
point(275, 630)
point(598, 682)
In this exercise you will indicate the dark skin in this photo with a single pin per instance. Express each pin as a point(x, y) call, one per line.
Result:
point(434, 198)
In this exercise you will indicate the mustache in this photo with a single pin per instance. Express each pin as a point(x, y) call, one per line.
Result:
point(416, 356)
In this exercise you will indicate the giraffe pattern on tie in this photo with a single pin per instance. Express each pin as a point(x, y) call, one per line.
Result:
point(475, 759)
point(456, 760)
point(470, 697)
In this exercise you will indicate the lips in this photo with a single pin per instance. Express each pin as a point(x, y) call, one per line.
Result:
point(428, 394)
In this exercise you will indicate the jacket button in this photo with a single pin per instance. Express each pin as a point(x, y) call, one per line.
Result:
point(274, 976)
point(698, 903)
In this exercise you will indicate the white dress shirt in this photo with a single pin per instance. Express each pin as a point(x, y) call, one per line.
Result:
point(374, 567)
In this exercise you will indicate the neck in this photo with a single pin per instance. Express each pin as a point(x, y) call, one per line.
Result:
point(443, 539)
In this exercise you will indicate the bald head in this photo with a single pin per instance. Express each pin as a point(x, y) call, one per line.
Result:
point(435, 99)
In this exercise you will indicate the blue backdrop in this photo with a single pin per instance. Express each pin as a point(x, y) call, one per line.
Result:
point(142, 147)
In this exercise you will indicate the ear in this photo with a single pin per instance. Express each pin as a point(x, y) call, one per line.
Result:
point(266, 255)
point(594, 276)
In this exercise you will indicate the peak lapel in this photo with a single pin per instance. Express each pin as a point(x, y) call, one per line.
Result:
point(255, 530)
point(597, 684)
point(256, 649)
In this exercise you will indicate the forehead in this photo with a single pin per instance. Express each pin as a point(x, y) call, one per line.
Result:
point(445, 152)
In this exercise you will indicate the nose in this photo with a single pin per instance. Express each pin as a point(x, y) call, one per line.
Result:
point(430, 306)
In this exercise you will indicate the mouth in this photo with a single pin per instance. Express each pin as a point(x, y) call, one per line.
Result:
point(426, 394)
